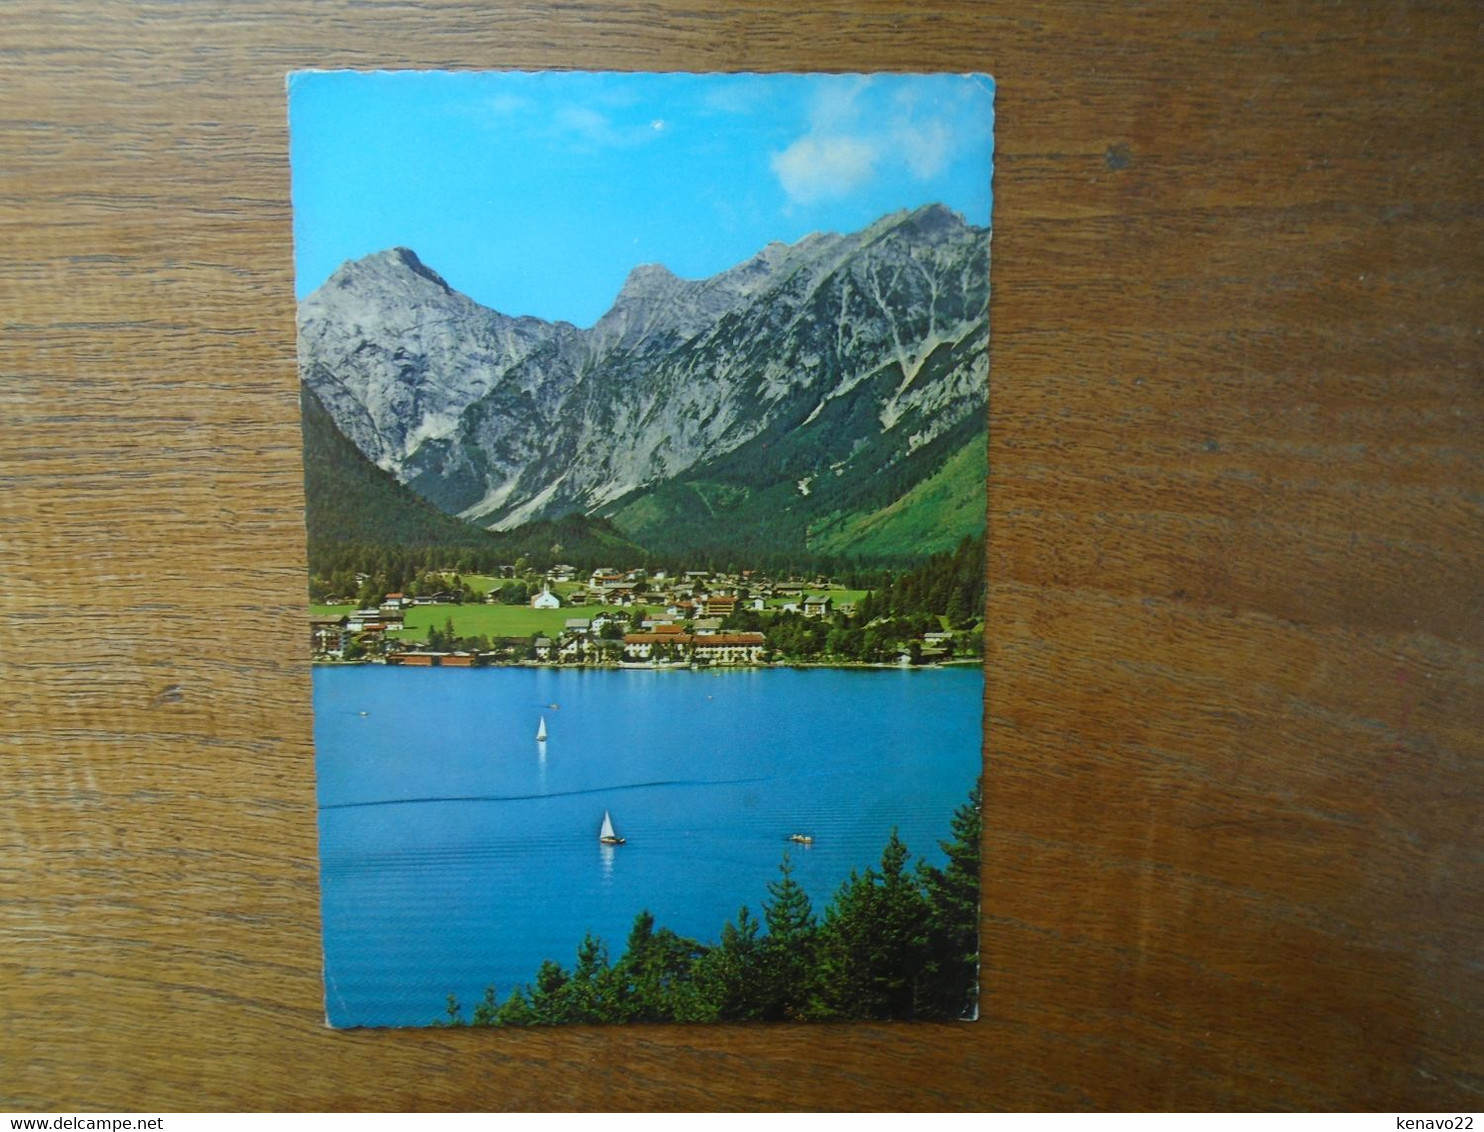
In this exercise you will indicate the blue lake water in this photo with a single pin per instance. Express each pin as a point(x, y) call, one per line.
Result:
point(457, 852)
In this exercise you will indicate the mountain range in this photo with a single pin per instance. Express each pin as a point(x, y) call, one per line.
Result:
point(825, 397)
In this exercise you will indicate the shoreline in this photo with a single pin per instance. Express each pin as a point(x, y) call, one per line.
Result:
point(967, 662)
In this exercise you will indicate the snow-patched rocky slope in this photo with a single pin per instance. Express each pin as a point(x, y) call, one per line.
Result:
point(506, 419)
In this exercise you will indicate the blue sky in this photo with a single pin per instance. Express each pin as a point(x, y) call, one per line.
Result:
point(536, 192)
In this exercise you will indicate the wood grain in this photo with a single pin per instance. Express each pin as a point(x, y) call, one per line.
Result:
point(1234, 746)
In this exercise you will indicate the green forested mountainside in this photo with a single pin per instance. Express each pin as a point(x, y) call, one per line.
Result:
point(870, 506)
point(355, 512)
point(949, 583)
point(349, 499)
point(931, 517)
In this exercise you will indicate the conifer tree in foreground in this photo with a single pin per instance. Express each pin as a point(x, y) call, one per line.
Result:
point(727, 976)
point(788, 958)
point(951, 959)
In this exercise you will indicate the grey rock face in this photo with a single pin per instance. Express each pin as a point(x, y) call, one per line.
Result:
point(396, 355)
point(505, 420)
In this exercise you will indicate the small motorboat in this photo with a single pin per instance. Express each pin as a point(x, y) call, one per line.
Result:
point(801, 838)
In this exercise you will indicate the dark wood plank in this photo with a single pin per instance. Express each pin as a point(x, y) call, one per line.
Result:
point(1233, 765)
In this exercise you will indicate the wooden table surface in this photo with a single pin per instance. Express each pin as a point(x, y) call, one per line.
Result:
point(1233, 755)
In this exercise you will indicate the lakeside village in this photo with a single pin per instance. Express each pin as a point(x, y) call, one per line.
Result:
point(634, 618)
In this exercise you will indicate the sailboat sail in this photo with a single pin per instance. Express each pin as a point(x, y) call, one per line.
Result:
point(541, 731)
point(607, 833)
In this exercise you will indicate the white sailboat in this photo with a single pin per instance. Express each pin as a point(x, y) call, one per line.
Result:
point(606, 835)
point(541, 731)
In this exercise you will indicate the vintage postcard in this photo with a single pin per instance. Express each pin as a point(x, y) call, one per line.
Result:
point(645, 461)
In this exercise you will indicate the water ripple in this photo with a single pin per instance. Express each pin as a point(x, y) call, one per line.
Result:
point(535, 797)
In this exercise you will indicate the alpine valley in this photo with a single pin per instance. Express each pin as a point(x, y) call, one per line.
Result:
point(824, 399)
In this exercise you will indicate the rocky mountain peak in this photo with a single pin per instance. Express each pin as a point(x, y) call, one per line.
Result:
point(395, 354)
point(407, 258)
point(931, 223)
point(393, 272)
point(648, 280)
point(654, 300)
point(937, 216)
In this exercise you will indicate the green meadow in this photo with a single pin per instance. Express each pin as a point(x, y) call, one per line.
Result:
point(484, 620)
point(476, 620)
point(518, 620)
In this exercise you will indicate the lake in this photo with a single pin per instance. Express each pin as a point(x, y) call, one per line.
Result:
point(458, 852)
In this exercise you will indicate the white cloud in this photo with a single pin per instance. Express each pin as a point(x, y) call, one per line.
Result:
point(857, 129)
point(837, 106)
point(926, 145)
point(586, 123)
point(815, 169)
point(596, 130)
point(507, 105)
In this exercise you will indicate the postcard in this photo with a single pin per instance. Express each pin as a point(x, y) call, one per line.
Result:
point(645, 454)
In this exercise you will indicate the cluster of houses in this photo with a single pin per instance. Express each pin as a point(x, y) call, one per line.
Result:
point(655, 644)
point(332, 636)
point(582, 641)
point(695, 604)
point(691, 593)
